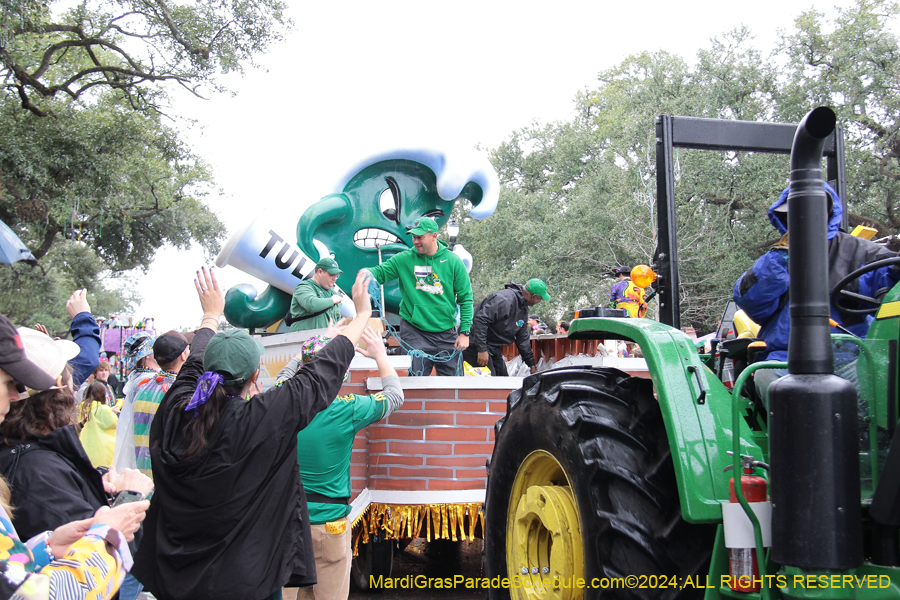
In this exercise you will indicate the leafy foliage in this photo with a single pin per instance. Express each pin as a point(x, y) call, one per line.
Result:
point(119, 181)
point(93, 177)
point(578, 198)
point(129, 45)
point(31, 295)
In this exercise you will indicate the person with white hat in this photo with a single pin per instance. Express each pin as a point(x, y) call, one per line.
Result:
point(94, 549)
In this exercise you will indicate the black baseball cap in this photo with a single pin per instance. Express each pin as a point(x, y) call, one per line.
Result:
point(13, 361)
point(169, 346)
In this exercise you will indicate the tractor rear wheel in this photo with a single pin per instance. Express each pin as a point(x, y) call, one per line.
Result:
point(581, 485)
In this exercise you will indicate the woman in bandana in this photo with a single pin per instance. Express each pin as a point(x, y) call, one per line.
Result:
point(229, 518)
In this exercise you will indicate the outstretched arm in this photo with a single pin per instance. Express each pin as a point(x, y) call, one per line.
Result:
point(376, 351)
point(389, 379)
point(86, 333)
point(363, 303)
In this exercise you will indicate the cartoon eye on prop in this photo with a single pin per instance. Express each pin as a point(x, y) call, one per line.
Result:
point(389, 202)
point(434, 213)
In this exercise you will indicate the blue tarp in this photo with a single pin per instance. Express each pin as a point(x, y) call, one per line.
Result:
point(11, 247)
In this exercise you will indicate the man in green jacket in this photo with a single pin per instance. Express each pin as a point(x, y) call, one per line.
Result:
point(433, 282)
point(315, 300)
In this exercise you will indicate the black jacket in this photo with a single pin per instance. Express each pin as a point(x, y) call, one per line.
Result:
point(231, 523)
point(52, 482)
point(501, 319)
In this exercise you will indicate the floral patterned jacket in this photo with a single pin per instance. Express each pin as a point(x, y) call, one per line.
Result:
point(93, 568)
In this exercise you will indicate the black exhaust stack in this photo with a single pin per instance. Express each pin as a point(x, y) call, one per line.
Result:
point(816, 516)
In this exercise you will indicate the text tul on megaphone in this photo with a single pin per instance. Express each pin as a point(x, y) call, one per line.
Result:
point(261, 252)
point(280, 262)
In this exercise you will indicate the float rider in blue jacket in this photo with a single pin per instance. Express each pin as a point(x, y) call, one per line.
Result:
point(762, 291)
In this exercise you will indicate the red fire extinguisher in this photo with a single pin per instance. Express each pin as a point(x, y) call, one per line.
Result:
point(743, 567)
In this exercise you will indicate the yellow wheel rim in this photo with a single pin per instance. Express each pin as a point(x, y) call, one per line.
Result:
point(544, 552)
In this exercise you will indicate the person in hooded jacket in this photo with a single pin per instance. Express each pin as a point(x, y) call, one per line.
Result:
point(98, 426)
point(140, 369)
point(501, 319)
point(228, 519)
point(51, 476)
point(79, 559)
point(762, 291)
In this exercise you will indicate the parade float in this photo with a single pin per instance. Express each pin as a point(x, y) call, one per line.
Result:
point(420, 472)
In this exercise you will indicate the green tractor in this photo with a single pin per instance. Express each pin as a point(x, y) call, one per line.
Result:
point(603, 484)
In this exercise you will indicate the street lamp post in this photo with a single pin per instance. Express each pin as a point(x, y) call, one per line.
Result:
point(453, 231)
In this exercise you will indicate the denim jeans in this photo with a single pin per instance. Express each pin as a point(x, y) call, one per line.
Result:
point(130, 589)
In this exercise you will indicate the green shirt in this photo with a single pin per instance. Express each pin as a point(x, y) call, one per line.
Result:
point(431, 288)
point(324, 448)
point(310, 298)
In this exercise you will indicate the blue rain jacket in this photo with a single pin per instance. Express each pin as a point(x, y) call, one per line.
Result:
point(762, 291)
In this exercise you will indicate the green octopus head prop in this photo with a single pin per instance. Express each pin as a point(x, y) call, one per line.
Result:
point(382, 197)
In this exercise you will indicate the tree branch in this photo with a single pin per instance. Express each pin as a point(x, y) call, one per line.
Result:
point(167, 19)
point(47, 240)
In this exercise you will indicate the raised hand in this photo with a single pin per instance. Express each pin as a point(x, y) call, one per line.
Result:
point(374, 344)
point(361, 298)
point(77, 303)
point(212, 299)
point(334, 330)
point(363, 303)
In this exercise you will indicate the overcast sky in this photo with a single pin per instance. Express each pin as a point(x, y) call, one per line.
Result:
point(353, 76)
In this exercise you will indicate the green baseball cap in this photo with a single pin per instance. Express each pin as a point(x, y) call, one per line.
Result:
point(329, 264)
point(234, 352)
point(422, 226)
point(538, 288)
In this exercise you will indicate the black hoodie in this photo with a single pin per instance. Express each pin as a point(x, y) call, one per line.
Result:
point(52, 481)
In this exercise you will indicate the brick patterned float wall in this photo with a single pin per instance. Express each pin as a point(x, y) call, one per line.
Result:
point(439, 439)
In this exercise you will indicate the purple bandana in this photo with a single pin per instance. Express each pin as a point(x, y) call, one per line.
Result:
point(205, 386)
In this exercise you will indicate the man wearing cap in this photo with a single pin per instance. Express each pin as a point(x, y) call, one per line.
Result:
point(324, 449)
point(170, 350)
point(316, 301)
point(433, 282)
point(625, 294)
point(501, 319)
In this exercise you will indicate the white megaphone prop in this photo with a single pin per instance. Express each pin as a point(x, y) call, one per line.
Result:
point(464, 255)
point(260, 251)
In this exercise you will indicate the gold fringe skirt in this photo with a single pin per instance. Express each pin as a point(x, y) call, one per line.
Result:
point(439, 521)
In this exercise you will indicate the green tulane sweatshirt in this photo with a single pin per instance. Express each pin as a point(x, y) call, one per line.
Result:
point(431, 287)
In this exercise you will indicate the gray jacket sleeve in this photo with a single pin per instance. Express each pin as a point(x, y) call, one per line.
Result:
point(288, 371)
point(390, 386)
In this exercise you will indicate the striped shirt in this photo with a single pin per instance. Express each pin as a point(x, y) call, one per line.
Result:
point(146, 400)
